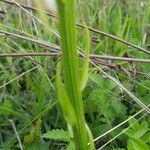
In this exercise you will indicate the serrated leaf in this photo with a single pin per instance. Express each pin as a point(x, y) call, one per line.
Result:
point(29, 138)
point(136, 125)
point(71, 146)
point(67, 108)
point(102, 102)
point(7, 104)
point(96, 78)
point(102, 82)
point(92, 147)
point(119, 149)
point(129, 132)
point(118, 107)
point(37, 146)
point(144, 124)
point(136, 135)
point(137, 144)
point(58, 135)
point(140, 133)
point(146, 137)
point(84, 75)
point(5, 110)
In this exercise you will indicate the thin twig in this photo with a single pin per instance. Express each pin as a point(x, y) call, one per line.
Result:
point(37, 41)
point(97, 57)
point(28, 54)
point(120, 58)
point(17, 135)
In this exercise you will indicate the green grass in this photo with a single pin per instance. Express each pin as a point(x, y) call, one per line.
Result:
point(31, 99)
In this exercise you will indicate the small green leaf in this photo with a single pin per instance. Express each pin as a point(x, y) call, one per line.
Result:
point(67, 108)
point(102, 102)
point(84, 77)
point(136, 125)
point(129, 132)
point(71, 146)
point(140, 133)
point(11, 112)
point(137, 144)
point(58, 135)
point(37, 146)
point(137, 134)
point(118, 107)
point(92, 147)
point(29, 138)
point(146, 137)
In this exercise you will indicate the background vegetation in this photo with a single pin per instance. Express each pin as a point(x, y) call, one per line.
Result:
point(118, 87)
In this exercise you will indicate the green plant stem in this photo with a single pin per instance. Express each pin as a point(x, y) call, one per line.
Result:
point(66, 11)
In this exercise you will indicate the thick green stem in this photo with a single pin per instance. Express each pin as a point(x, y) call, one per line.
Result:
point(66, 11)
